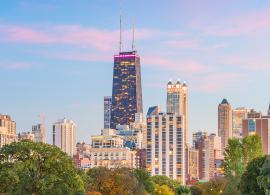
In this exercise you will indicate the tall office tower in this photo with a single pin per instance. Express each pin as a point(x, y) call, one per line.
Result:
point(40, 133)
point(64, 136)
point(238, 115)
point(261, 127)
point(165, 152)
point(107, 111)
point(127, 89)
point(224, 122)
point(177, 102)
point(7, 130)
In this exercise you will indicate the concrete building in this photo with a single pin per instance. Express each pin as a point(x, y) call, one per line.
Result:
point(81, 162)
point(165, 153)
point(177, 103)
point(107, 112)
point(192, 164)
point(7, 130)
point(261, 127)
point(26, 136)
point(224, 123)
point(113, 157)
point(238, 115)
point(206, 158)
point(40, 133)
point(64, 136)
point(108, 139)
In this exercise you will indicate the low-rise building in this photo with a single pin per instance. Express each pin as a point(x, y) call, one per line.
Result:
point(7, 130)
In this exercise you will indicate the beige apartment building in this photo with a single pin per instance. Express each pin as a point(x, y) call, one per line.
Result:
point(7, 130)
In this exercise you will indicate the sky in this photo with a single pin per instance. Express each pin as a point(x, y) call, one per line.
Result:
point(56, 57)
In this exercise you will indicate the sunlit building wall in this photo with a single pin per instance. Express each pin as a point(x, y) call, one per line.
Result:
point(238, 115)
point(165, 153)
point(64, 136)
point(224, 122)
point(7, 130)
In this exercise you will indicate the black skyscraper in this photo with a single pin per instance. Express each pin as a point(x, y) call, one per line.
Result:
point(127, 90)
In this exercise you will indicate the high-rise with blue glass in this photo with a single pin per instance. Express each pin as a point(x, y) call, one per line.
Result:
point(127, 89)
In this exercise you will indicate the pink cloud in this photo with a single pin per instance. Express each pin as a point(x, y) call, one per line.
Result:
point(14, 65)
point(187, 66)
point(241, 25)
point(100, 39)
point(183, 44)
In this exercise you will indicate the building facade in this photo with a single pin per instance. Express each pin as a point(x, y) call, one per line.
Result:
point(224, 123)
point(26, 136)
point(127, 89)
point(64, 136)
point(165, 153)
point(107, 112)
point(177, 103)
point(40, 133)
point(238, 115)
point(192, 164)
point(260, 127)
point(7, 130)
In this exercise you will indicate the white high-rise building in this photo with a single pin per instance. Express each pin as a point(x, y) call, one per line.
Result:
point(40, 133)
point(64, 136)
point(107, 111)
point(177, 103)
point(165, 153)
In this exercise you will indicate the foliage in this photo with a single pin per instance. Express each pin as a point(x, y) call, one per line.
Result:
point(249, 184)
point(237, 156)
point(164, 180)
point(35, 168)
point(264, 178)
point(182, 190)
point(212, 187)
point(144, 178)
point(116, 181)
point(252, 148)
point(163, 190)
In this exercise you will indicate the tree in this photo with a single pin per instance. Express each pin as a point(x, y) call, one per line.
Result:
point(233, 160)
point(182, 190)
point(116, 181)
point(237, 156)
point(264, 178)
point(249, 184)
point(163, 190)
point(164, 180)
point(252, 148)
point(144, 179)
point(36, 168)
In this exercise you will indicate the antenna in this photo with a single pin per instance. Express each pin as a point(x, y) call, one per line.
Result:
point(120, 42)
point(133, 32)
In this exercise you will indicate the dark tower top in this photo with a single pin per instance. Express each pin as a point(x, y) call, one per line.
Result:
point(127, 89)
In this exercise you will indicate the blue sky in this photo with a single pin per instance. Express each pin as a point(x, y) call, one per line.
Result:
point(56, 57)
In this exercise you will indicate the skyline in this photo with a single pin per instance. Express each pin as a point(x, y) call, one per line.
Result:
point(45, 52)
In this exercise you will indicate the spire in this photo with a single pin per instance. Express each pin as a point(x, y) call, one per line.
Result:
point(120, 41)
point(133, 32)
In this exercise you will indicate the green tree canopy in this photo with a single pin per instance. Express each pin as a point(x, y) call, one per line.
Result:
point(35, 168)
point(164, 180)
point(252, 148)
point(144, 178)
point(264, 177)
point(249, 184)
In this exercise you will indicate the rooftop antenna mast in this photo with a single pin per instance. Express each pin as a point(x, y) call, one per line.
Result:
point(133, 32)
point(120, 42)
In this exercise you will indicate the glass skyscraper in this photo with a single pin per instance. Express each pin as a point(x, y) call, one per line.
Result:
point(127, 89)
